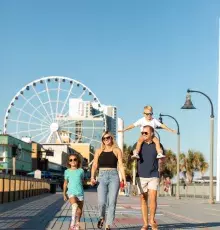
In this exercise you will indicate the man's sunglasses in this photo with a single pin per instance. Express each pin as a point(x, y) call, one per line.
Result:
point(144, 133)
point(148, 114)
point(106, 138)
point(75, 159)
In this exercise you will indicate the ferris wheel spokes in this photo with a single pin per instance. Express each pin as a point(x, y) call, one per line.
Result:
point(31, 115)
point(41, 103)
point(33, 106)
point(44, 137)
point(67, 98)
point(43, 111)
point(48, 95)
point(25, 122)
point(58, 96)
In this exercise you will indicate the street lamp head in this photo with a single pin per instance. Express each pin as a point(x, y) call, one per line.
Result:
point(161, 121)
point(188, 103)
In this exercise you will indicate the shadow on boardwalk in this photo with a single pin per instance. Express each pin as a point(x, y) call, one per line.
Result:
point(51, 212)
point(180, 226)
point(31, 214)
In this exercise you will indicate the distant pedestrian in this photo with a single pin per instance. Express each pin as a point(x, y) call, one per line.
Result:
point(127, 188)
point(167, 186)
point(73, 188)
point(106, 159)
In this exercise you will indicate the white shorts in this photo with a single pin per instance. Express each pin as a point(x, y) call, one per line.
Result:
point(145, 184)
point(80, 198)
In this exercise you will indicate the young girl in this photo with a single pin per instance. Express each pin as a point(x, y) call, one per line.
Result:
point(73, 188)
point(148, 120)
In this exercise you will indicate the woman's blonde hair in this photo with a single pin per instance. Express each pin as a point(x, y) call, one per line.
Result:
point(78, 160)
point(114, 144)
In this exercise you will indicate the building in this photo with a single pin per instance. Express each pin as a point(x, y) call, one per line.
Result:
point(57, 156)
point(111, 118)
point(79, 108)
point(22, 151)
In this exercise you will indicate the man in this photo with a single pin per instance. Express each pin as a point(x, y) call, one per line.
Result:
point(148, 176)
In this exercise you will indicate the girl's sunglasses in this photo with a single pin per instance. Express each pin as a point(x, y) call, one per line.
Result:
point(74, 159)
point(106, 138)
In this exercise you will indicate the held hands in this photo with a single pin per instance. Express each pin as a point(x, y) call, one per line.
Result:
point(174, 131)
point(93, 181)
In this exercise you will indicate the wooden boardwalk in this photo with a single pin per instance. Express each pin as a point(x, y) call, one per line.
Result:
point(51, 212)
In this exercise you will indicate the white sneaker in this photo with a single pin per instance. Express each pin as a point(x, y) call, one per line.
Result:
point(160, 155)
point(135, 154)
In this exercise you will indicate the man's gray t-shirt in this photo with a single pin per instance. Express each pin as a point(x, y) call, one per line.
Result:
point(148, 163)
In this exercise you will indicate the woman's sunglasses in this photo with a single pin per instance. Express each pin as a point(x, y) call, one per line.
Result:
point(75, 159)
point(106, 138)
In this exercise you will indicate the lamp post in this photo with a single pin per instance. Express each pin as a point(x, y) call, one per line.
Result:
point(189, 105)
point(178, 153)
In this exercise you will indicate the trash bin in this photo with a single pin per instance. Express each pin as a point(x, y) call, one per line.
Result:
point(53, 188)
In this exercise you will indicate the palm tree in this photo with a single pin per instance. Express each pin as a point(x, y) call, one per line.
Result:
point(127, 150)
point(200, 164)
point(194, 161)
point(169, 167)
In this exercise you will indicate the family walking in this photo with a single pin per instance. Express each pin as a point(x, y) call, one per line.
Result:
point(108, 160)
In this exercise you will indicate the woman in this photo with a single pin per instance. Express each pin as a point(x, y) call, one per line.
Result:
point(74, 176)
point(106, 159)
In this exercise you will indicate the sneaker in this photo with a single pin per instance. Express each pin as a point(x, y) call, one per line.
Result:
point(160, 155)
point(76, 226)
point(135, 154)
point(72, 227)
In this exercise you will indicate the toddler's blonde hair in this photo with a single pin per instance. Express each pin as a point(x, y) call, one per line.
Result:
point(148, 107)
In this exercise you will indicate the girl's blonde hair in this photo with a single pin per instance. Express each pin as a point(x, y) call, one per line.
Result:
point(148, 107)
point(78, 160)
point(114, 144)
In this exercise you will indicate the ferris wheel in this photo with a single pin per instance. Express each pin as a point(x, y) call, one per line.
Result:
point(56, 109)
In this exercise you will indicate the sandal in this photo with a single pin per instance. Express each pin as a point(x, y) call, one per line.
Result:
point(144, 228)
point(154, 225)
point(100, 223)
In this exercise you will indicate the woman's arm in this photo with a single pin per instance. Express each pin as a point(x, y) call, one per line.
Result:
point(120, 163)
point(95, 166)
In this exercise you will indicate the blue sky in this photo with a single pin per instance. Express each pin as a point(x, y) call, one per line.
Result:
point(130, 53)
